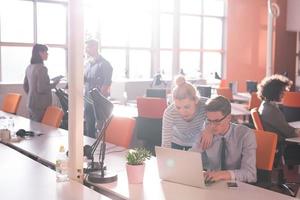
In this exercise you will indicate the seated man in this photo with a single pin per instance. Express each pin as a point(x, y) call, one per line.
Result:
point(232, 152)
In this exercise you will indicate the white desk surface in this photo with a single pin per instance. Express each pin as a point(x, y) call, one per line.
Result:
point(23, 178)
point(45, 147)
point(155, 188)
point(239, 109)
point(242, 97)
point(295, 124)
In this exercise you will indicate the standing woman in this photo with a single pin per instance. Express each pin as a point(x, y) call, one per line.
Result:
point(183, 119)
point(37, 83)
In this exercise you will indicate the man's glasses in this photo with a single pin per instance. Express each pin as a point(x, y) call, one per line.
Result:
point(215, 122)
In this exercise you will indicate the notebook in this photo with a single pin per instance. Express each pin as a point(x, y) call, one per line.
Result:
point(179, 166)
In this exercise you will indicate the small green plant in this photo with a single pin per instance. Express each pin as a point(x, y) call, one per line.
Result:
point(137, 156)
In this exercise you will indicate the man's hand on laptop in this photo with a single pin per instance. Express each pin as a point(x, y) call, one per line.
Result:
point(217, 176)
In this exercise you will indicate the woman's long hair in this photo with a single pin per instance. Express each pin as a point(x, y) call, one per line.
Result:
point(35, 57)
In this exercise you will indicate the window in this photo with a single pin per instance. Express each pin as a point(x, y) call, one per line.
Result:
point(34, 23)
point(143, 37)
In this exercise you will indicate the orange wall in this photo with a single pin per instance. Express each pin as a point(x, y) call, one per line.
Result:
point(246, 41)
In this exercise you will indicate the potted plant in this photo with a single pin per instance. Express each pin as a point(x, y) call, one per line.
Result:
point(136, 164)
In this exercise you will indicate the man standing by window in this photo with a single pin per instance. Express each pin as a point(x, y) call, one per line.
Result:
point(97, 74)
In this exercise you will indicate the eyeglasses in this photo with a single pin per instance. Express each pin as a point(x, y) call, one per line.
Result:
point(215, 122)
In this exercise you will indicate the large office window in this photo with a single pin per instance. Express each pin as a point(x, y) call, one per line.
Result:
point(35, 22)
point(144, 37)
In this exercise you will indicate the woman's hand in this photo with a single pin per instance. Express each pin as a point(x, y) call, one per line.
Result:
point(206, 138)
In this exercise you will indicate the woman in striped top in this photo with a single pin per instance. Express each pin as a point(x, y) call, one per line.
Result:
point(184, 118)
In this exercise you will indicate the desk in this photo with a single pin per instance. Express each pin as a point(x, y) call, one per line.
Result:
point(23, 178)
point(242, 97)
point(154, 188)
point(239, 110)
point(295, 124)
point(44, 147)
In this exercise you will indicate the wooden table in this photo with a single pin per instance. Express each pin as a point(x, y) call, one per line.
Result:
point(23, 178)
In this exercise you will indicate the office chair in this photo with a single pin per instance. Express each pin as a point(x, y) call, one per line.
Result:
point(279, 160)
point(265, 154)
point(251, 86)
point(53, 116)
point(11, 102)
point(120, 131)
point(226, 92)
point(291, 106)
point(256, 119)
point(159, 93)
point(204, 90)
point(149, 121)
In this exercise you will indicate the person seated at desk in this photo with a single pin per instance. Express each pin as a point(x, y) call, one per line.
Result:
point(271, 91)
point(184, 118)
point(232, 152)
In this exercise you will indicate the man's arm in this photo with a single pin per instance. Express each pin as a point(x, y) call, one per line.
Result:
point(247, 172)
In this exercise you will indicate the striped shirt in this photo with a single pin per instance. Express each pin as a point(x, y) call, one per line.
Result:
point(176, 130)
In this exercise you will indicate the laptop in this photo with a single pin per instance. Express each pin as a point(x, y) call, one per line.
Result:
point(179, 166)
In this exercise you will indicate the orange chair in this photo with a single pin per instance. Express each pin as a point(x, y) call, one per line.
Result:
point(53, 116)
point(256, 119)
point(11, 102)
point(223, 83)
point(291, 106)
point(265, 155)
point(291, 99)
point(151, 107)
point(226, 92)
point(120, 131)
point(149, 121)
point(254, 101)
point(266, 149)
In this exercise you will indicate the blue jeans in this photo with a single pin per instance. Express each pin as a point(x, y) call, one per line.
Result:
point(180, 147)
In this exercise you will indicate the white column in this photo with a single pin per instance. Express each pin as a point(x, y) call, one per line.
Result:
point(75, 79)
point(273, 13)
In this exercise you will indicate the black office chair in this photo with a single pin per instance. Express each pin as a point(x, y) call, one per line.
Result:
point(204, 90)
point(251, 86)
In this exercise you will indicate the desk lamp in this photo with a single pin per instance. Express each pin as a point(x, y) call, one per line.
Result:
point(103, 115)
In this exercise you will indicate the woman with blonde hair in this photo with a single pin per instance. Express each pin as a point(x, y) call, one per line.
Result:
point(184, 118)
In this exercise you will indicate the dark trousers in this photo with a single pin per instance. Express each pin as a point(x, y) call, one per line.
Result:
point(292, 153)
point(180, 147)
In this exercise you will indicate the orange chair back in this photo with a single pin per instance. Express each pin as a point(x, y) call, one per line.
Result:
point(254, 101)
point(11, 102)
point(151, 107)
point(53, 116)
point(223, 83)
point(291, 99)
point(266, 149)
point(120, 131)
point(256, 119)
point(226, 92)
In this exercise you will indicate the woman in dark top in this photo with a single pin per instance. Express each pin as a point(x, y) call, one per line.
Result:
point(271, 91)
point(37, 83)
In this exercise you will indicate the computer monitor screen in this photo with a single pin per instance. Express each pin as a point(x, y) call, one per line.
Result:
point(160, 93)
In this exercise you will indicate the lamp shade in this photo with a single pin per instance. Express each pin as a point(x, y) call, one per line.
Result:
point(102, 106)
point(293, 15)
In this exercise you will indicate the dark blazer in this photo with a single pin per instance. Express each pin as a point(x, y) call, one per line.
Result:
point(274, 120)
point(37, 86)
